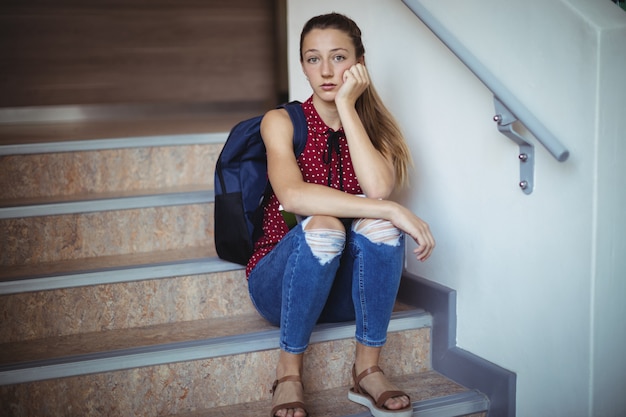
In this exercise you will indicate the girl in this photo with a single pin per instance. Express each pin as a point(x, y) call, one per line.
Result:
point(343, 261)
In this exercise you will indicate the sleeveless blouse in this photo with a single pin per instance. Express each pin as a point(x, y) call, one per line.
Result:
point(325, 160)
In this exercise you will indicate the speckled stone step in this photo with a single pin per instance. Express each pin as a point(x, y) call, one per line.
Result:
point(39, 239)
point(74, 150)
point(62, 174)
point(119, 292)
point(165, 377)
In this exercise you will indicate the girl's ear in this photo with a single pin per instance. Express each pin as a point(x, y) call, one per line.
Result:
point(361, 60)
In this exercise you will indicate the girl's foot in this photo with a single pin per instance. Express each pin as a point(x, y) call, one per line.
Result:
point(287, 399)
point(388, 403)
point(288, 392)
point(376, 383)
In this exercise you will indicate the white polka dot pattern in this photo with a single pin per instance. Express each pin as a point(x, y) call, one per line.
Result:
point(314, 170)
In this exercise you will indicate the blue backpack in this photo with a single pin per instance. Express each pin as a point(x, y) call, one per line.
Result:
point(241, 185)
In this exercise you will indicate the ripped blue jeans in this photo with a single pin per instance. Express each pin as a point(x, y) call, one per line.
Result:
point(327, 275)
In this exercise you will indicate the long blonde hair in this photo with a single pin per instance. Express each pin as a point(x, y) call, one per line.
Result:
point(380, 125)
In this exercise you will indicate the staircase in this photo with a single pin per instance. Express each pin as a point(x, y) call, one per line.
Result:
point(113, 302)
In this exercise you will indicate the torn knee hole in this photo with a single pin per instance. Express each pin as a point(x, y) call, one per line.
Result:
point(378, 231)
point(325, 244)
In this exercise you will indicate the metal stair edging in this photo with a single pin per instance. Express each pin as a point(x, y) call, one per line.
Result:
point(114, 143)
point(108, 204)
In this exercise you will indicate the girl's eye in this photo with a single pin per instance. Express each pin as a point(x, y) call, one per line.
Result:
point(312, 60)
point(339, 58)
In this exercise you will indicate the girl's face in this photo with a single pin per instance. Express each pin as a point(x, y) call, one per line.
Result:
point(326, 55)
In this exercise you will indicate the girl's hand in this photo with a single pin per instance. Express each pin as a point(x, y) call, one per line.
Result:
point(355, 82)
point(418, 230)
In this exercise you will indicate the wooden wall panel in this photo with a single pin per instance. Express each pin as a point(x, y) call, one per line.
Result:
point(136, 51)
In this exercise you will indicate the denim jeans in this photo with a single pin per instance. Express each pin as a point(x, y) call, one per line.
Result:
point(355, 277)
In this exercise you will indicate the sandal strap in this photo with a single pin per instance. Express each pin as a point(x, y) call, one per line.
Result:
point(293, 404)
point(368, 371)
point(390, 394)
point(292, 378)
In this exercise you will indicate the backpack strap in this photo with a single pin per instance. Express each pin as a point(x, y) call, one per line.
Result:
point(294, 108)
point(300, 134)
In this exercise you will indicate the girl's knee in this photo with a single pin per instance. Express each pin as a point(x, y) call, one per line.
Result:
point(378, 231)
point(325, 236)
point(322, 222)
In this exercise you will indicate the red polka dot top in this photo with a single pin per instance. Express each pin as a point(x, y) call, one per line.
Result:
point(325, 160)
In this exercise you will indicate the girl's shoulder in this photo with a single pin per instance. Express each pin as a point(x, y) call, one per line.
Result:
point(276, 118)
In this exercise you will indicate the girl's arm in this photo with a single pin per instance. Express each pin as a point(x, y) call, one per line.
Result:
point(300, 197)
point(375, 172)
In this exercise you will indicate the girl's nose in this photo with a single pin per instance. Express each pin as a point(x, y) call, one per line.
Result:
point(327, 70)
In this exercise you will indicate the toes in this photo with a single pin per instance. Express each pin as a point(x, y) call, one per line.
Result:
point(397, 403)
point(291, 412)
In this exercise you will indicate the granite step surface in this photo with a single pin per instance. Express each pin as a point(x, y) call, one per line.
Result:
point(53, 238)
point(114, 292)
point(181, 367)
point(67, 171)
point(74, 150)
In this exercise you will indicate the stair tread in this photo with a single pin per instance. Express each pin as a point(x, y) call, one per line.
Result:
point(115, 350)
point(421, 387)
point(136, 122)
point(112, 262)
point(165, 335)
point(133, 338)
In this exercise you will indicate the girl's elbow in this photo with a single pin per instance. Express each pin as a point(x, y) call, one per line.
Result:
point(380, 192)
point(378, 196)
point(289, 200)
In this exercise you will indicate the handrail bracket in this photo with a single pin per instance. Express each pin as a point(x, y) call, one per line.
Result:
point(505, 119)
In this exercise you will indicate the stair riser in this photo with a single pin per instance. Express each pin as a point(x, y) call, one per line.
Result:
point(78, 236)
point(76, 173)
point(37, 315)
point(180, 387)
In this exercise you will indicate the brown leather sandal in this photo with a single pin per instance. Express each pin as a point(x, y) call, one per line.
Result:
point(377, 407)
point(295, 392)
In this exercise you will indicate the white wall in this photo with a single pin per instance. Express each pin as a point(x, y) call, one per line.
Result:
point(540, 277)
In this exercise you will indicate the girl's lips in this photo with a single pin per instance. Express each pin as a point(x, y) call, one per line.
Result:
point(327, 87)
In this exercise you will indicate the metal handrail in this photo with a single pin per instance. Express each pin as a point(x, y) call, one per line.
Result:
point(500, 91)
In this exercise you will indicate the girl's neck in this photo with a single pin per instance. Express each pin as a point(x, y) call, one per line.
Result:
point(328, 112)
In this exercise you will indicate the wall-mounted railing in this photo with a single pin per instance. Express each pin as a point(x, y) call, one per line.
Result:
point(508, 108)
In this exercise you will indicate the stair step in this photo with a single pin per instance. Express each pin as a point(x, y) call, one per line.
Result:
point(90, 203)
point(175, 387)
point(121, 152)
point(156, 345)
point(69, 171)
point(115, 232)
point(432, 395)
point(52, 129)
point(129, 291)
